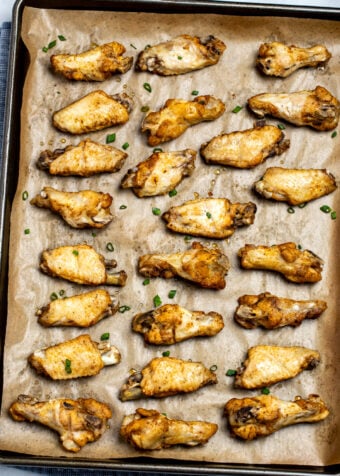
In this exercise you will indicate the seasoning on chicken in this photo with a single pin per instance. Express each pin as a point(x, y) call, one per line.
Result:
point(152, 430)
point(160, 173)
point(174, 118)
point(80, 264)
point(245, 149)
point(95, 64)
point(181, 55)
point(204, 266)
point(252, 417)
point(280, 60)
point(317, 108)
point(166, 376)
point(93, 112)
point(78, 422)
point(171, 323)
point(296, 265)
point(79, 357)
point(268, 364)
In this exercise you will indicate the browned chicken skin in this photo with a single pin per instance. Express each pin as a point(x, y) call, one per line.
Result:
point(78, 422)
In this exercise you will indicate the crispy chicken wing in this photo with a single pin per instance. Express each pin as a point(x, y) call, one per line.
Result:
point(177, 115)
point(209, 217)
point(95, 64)
point(271, 312)
point(280, 60)
point(151, 430)
point(166, 376)
point(93, 112)
point(245, 149)
point(204, 266)
point(160, 173)
point(298, 266)
point(249, 418)
point(295, 186)
point(78, 422)
point(172, 323)
point(317, 109)
point(269, 364)
point(79, 357)
point(80, 264)
point(181, 55)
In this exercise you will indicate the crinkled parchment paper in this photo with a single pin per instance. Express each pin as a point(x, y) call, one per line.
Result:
point(136, 231)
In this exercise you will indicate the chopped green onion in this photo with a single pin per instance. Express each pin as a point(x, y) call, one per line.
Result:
point(237, 109)
point(231, 373)
point(147, 87)
point(166, 353)
point(146, 281)
point(145, 108)
point(146, 47)
point(52, 44)
point(61, 38)
point(333, 215)
point(195, 92)
point(110, 138)
point(45, 49)
point(122, 207)
point(325, 209)
point(265, 391)
point(164, 414)
point(27, 231)
point(62, 292)
point(156, 211)
point(302, 205)
point(24, 195)
point(172, 193)
point(94, 234)
point(290, 210)
point(53, 296)
point(334, 134)
point(68, 369)
point(208, 215)
point(157, 301)
point(188, 238)
point(172, 293)
point(299, 247)
point(281, 126)
point(105, 336)
point(133, 46)
point(157, 149)
point(180, 57)
point(109, 246)
point(125, 145)
point(75, 252)
point(123, 309)
point(213, 368)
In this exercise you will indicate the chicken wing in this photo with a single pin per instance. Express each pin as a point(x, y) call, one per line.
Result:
point(249, 418)
point(93, 112)
point(317, 109)
point(181, 55)
point(295, 186)
point(172, 323)
point(81, 310)
point(79, 357)
point(85, 159)
point(160, 173)
point(209, 217)
point(271, 312)
point(298, 266)
point(177, 115)
point(78, 422)
point(245, 149)
point(151, 430)
point(166, 376)
point(204, 266)
point(280, 60)
point(95, 64)
point(80, 264)
point(268, 364)
point(83, 209)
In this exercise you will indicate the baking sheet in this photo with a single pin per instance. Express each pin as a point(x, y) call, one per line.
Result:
point(136, 231)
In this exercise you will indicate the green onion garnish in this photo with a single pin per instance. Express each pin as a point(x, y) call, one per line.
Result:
point(146, 281)
point(172, 193)
point(231, 373)
point(290, 210)
point(52, 44)
point(180, 57)
point(195, 92)
point(325, 209)
point(27, 231)
point(62, 292)
point(213, 368)
point(302, 205)
point(188, 238)
point(334, 134)
point(265, 391)
point(94, 234)
point(208, 215)
point(53, 296)
point(157, 149)
point(166, 353)
point(156, 211)
point(123, 309)
point(281, 126)
point(45, 49)
point(105, 336)
point(145, 108)
point(172, 293)
point(110, 138)
point(61, 38)
point(122, 207)
point(75, 252)
point(109, 246)
point(157, 301)
point(147, 87)
point(125, 145)
point(333, 215)
point(133, 46)
point(68, 369)
point(237, 109)
point(24, 195)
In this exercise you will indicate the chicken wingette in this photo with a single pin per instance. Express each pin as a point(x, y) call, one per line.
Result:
point(79, 357)
point(181, 55)
point(95, 64)
point(245, 149)
point(209, 217)
point(78, 422)
point(152, 430)
point(174, 118)
point(268, 364)
point(166, 376)
point(269, 311)
point(252, 417)
point(171, 323)
point(81, 264)
point(201, 265)
point(296, 265)
point(160, 173)
point(316, 108)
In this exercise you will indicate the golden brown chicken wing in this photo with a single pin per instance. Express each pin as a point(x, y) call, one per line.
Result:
point(183, 54)
point(298, 266)
point(95, 64)
point(79, 357)
point(160, 173)
point(249, 418)
point(177, 115)
point(204, 266)
point(78, 422)
point(166, 376)
point(172, 323)
point(245, 149)
point(271, 312)
point(317, 109)
point(151, 430)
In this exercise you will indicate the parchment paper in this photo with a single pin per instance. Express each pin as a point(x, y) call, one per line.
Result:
point(136, 231)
